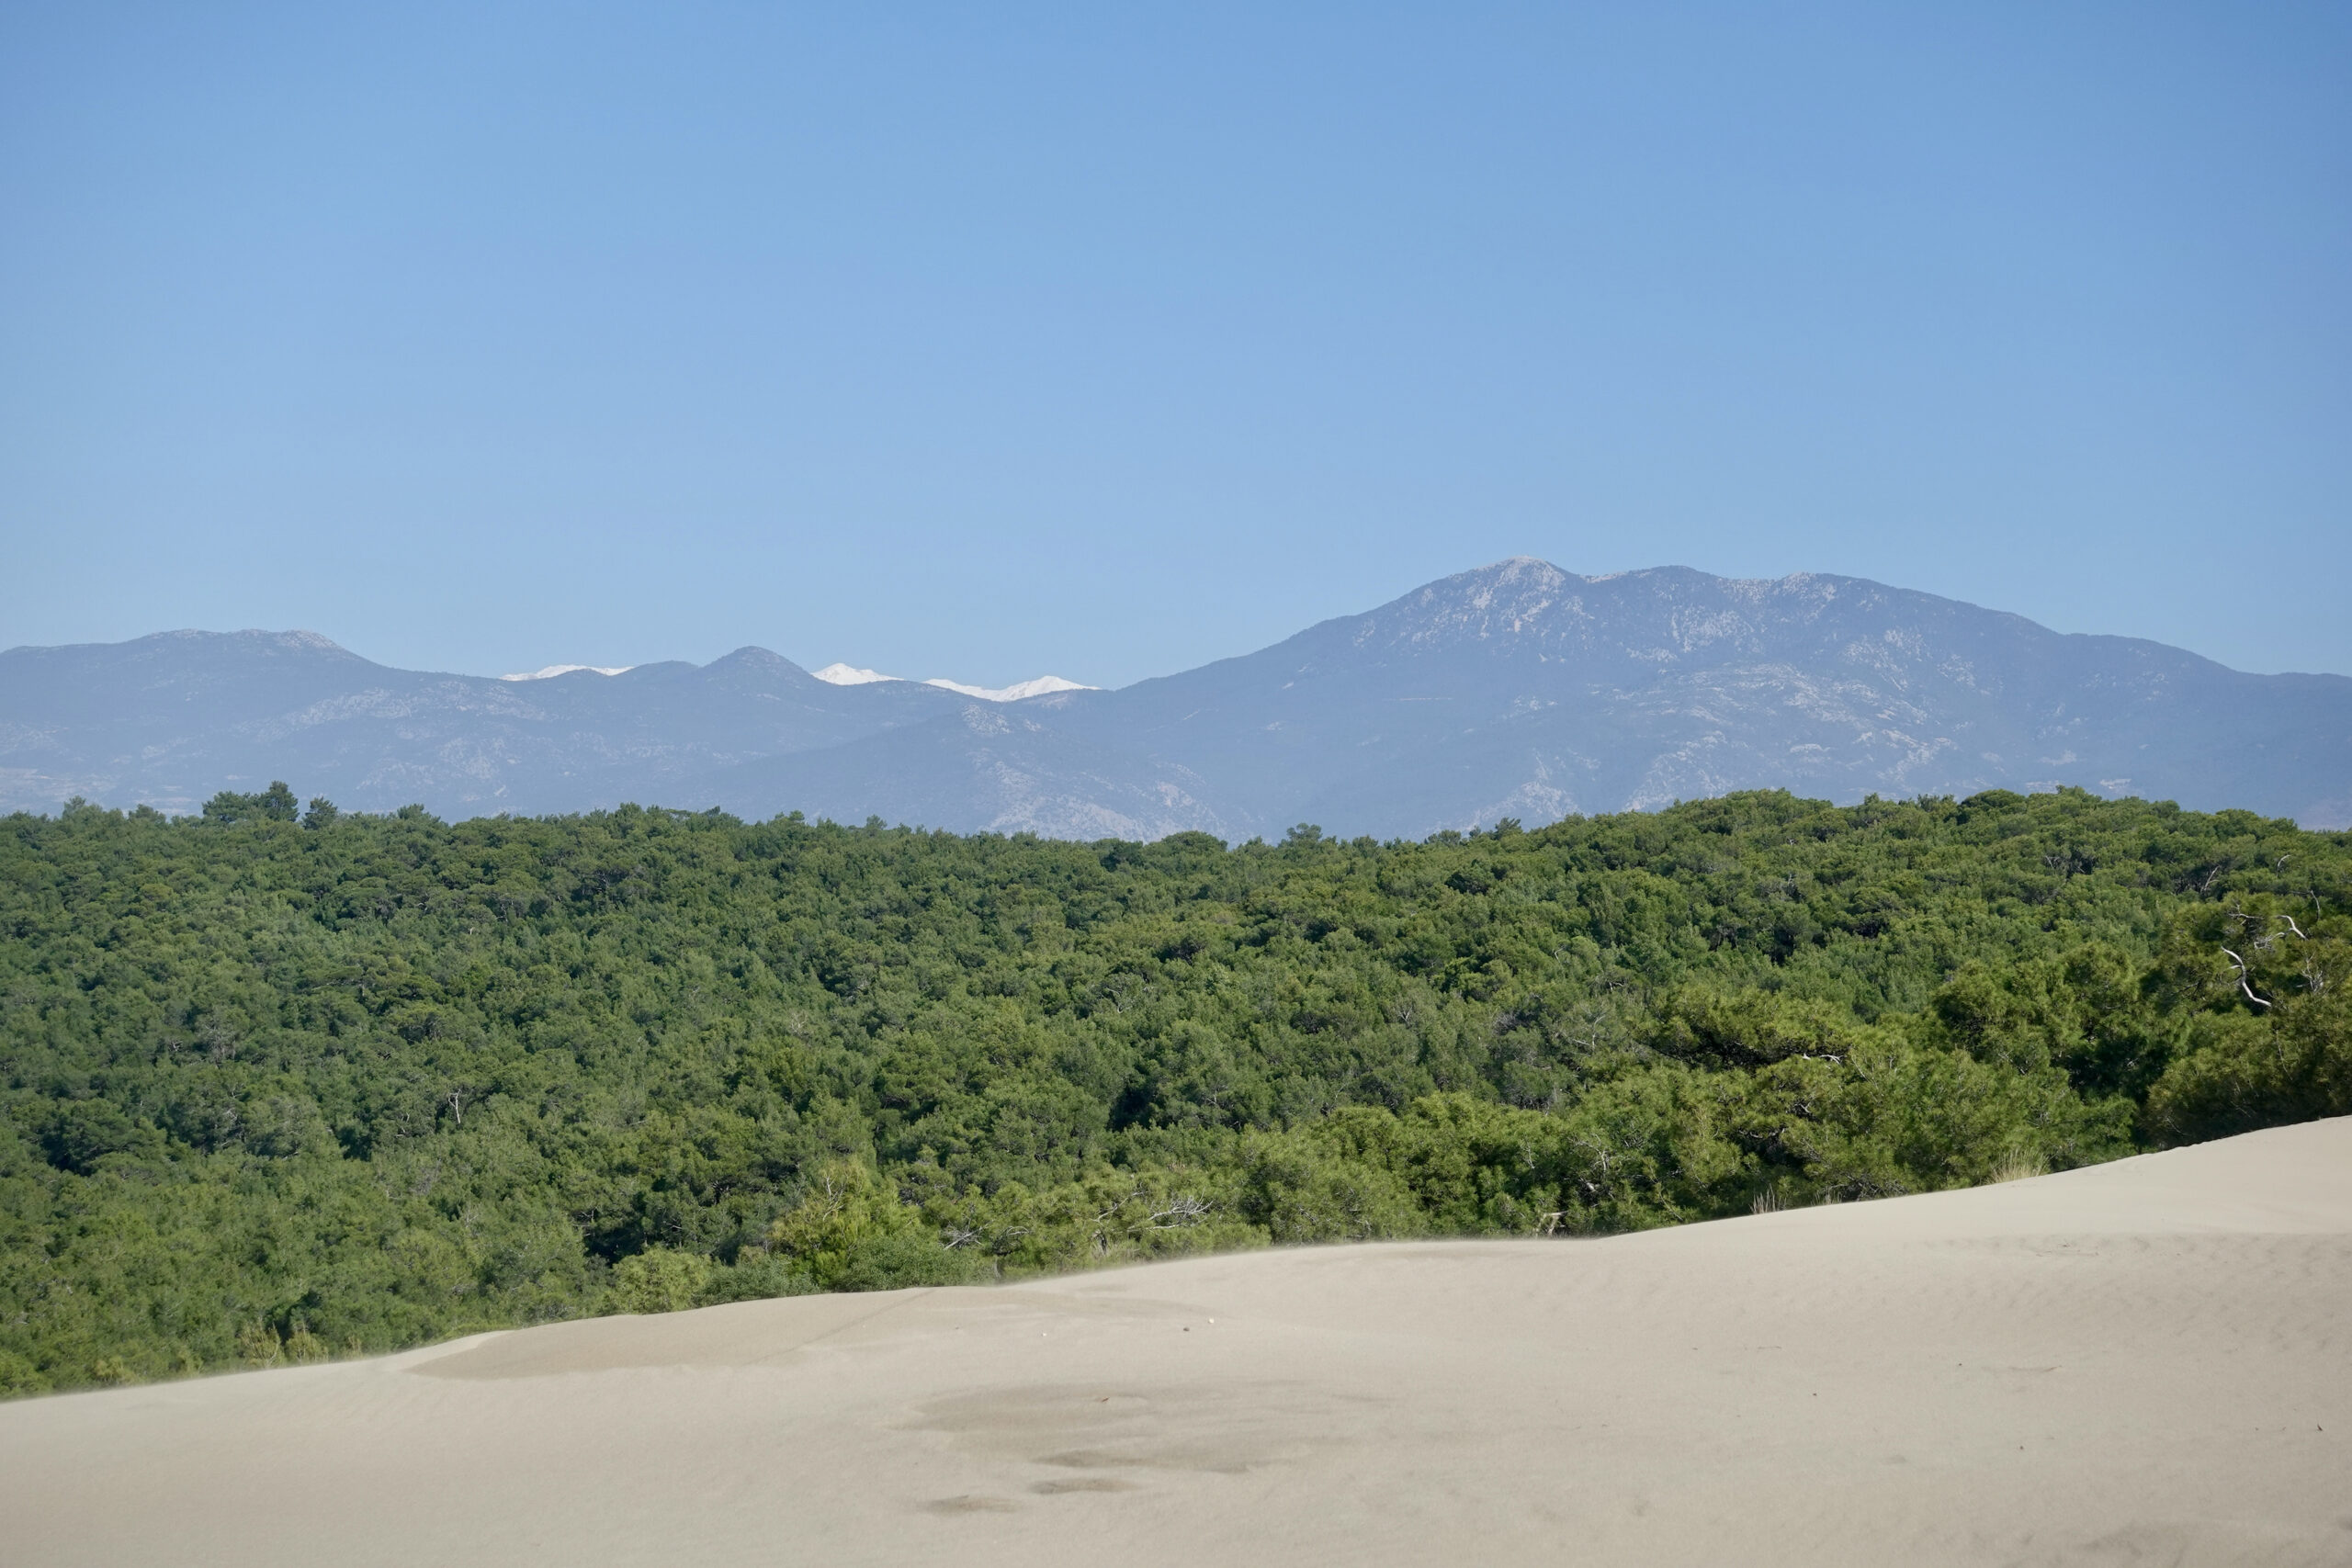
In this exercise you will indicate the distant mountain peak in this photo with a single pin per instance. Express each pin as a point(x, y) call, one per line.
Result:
point(1502, 600)
point(316, 642)
point(1517, 574)
point(1656, 615)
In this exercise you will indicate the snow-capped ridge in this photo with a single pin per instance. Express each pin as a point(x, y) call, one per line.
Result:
point(554, 669)
point(1014, 693)
point(839, 674)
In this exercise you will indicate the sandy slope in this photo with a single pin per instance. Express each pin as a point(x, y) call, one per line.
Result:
point(2146, 1362)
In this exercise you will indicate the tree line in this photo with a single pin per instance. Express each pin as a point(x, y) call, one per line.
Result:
point(285, 1083)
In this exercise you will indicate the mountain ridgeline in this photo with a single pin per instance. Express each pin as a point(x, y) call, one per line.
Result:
point(1516, 690)
point(287, 1085)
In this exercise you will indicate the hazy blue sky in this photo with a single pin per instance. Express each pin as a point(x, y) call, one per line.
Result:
point(1107, 340)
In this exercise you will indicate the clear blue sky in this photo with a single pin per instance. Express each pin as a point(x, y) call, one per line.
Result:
point(987, 341)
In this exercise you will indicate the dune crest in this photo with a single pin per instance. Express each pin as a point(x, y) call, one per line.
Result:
point(2141, 1362)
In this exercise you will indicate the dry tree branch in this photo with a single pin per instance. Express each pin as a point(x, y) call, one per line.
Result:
point(1181, 1212)
point(2242, 978)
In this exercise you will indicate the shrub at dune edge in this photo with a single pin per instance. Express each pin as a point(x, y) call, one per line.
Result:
point(283, 1086)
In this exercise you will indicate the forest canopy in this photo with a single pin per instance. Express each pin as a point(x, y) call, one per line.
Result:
point(286, 1084)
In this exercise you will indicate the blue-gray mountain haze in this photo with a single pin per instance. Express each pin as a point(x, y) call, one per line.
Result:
point(1518, 690)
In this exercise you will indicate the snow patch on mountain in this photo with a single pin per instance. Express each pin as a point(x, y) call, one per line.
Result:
point(1014, 693)
point(850, 675)
point(554, 669)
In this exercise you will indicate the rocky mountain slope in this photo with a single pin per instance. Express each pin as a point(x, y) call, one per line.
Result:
point(1522, 690)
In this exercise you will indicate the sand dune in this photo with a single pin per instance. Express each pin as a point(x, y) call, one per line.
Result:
point(2150, 1361)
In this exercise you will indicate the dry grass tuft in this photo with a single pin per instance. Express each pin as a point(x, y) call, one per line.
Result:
point(2018, 1168)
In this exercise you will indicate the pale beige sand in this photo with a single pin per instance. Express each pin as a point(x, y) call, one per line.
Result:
point(2146, 1362)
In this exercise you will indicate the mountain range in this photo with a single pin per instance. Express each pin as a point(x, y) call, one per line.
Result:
point(1516, 690)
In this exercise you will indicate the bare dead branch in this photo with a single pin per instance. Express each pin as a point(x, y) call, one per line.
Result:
point(2243, 985)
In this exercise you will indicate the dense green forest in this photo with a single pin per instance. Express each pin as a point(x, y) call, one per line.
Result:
point(289, 1085)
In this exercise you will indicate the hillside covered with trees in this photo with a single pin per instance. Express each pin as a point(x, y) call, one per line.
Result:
point(289, 1085)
